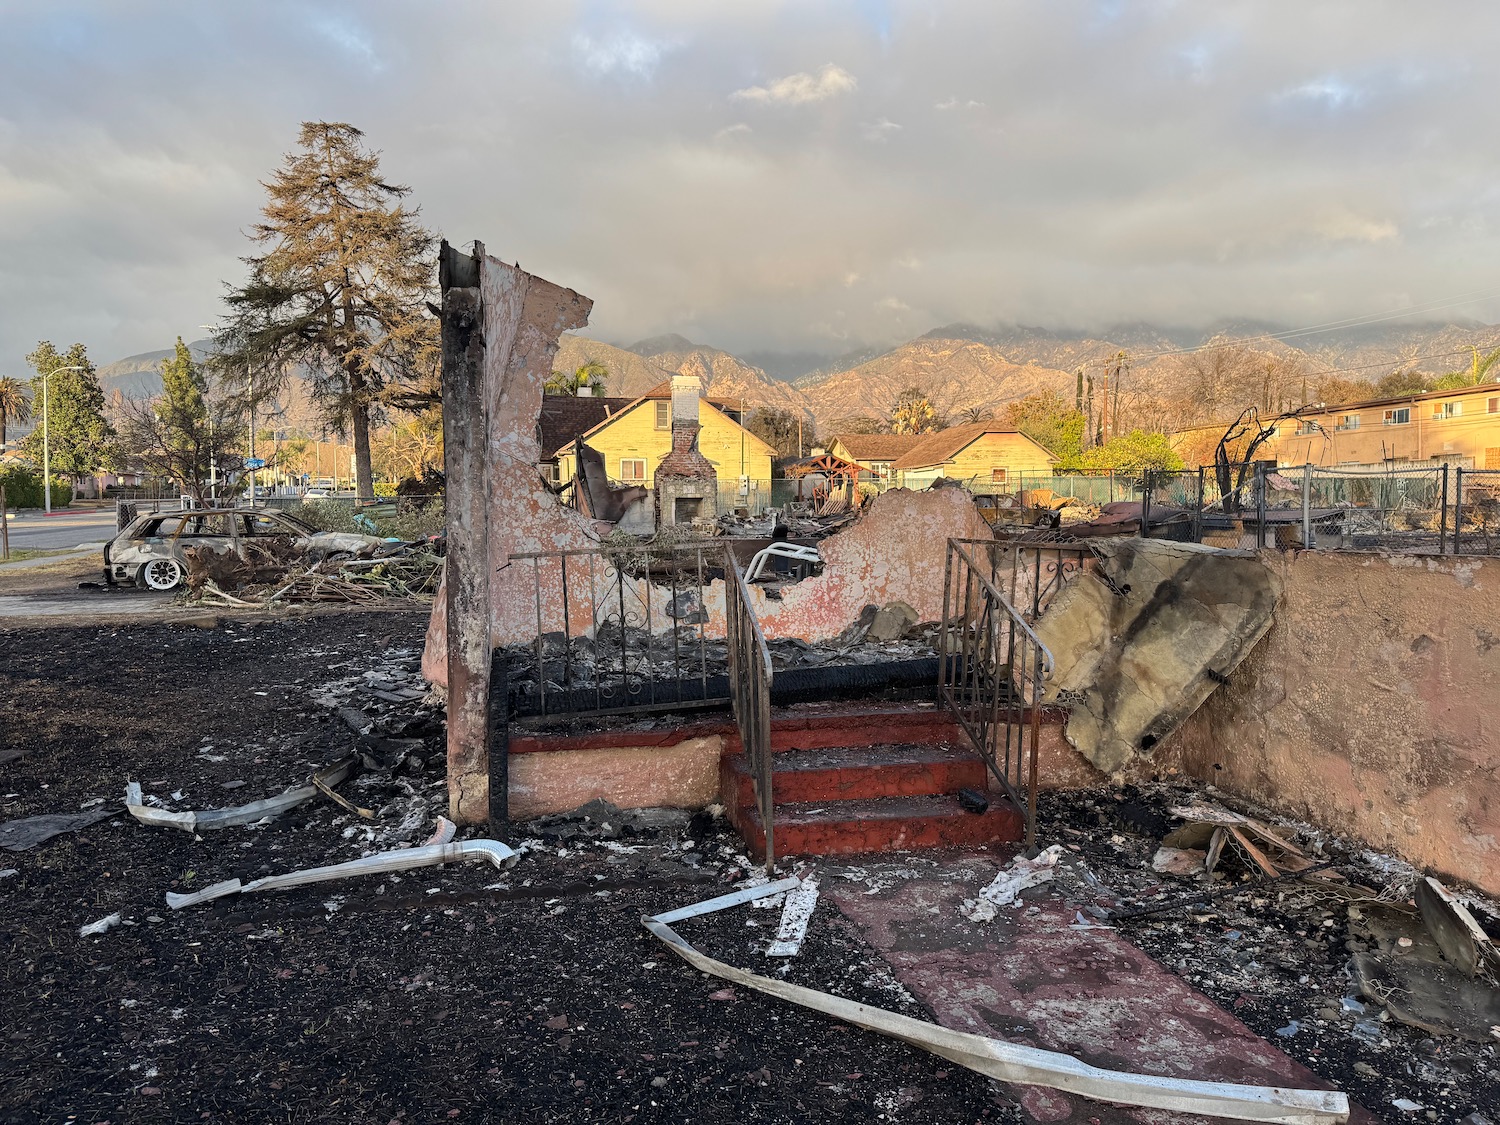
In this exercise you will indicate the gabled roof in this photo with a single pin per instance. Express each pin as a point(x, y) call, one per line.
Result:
point(876, 447)
point(934, 449)
point(565, 417)
point(825, 463)
point(618, 408)
point(664, 390)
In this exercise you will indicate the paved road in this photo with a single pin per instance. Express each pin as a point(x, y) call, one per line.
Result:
point(36, 532)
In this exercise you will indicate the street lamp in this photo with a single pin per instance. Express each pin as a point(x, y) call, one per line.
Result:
point(250, 378)
point(46, 447)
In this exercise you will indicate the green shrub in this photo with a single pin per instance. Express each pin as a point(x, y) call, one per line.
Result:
point(336, 515)
point(327, 515)
point(23, 488)
point(384, 490)
point(415, 524)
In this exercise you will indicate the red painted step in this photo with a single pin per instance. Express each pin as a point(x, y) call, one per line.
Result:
point(856, 773)
point(882, 825)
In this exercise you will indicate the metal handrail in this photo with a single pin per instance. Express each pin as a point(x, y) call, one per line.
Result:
point(750, 676)
point(1015, 615)
point(991, 671)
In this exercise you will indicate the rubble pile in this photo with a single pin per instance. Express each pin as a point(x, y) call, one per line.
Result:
point(614, 653)
point(1316, 943)
point(394, 571)
point(801, 521)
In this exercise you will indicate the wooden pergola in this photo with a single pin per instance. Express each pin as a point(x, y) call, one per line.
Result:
point(826, 464)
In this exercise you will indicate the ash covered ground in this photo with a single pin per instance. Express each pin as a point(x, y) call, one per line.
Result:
point(465, 993)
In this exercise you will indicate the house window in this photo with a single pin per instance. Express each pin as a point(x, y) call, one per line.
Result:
point(1447, 410)
point(1398, 417)
point(633, 469)
point(1493, 405)
point(1308, 426)
point(663, 415)
point(997, 476)
point(1348, 422)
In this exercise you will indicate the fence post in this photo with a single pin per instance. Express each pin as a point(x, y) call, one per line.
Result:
point(1458, 511)
point(499, 723)
point(1443, 521)
point(1198, 510)
point(1145, 504)
point(4, 527)
point(1307, 531)
point(1260, 504)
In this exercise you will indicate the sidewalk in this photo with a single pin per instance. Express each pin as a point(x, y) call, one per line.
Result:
point(83, 550)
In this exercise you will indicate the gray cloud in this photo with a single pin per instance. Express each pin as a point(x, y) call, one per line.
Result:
point(713, 169)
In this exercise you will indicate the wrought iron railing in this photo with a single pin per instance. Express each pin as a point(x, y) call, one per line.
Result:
point(618, 630)
point(991, 674)
point(750, 678)
point(1027, 570)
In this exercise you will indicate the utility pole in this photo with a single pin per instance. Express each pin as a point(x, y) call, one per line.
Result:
point(1114, 414)
point(250, 381)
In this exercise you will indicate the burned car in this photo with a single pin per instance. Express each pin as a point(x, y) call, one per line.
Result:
point(150, 551)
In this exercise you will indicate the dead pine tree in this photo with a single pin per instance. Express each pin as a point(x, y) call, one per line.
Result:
point(339, 293)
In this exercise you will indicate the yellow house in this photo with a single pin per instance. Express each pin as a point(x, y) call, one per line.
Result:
point(635, 438)
point(984, 453)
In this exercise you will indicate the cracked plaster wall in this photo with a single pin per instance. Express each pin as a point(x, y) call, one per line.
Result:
point(684, 775)
point(1372, 707)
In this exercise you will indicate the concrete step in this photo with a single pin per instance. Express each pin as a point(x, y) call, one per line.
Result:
point(858, 773)
point(882, 825)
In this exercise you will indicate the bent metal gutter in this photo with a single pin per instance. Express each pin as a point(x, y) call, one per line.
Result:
point(1014, 1062)
point(403, 859)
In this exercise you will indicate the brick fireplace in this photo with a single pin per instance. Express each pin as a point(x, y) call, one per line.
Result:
point(687, 487)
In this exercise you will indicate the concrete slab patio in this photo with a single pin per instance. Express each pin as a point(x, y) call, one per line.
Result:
point(1033, 976)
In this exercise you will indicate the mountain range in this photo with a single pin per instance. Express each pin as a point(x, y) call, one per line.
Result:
point(962, 367)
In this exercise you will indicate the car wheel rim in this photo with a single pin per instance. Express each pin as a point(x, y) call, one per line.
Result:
point(162, 574)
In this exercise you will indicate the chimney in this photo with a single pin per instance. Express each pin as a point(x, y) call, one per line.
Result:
point(686, 390)
point(686, 484)
point(586, 391)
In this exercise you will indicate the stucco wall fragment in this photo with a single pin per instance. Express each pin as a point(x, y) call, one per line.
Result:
point(1143, 640)
point(1372, 707)
point(684, 776)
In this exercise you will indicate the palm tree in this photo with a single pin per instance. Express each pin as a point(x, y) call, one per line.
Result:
point(13, 404)
point(1478, 372)
point(591, 374)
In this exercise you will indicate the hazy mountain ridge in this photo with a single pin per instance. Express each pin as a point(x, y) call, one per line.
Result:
point(966, 367)
point(957, 375)
point(139, 376)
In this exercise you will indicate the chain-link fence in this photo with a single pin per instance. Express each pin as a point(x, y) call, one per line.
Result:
point(1476, 512)
point(1361, 508)
point(1425, 508)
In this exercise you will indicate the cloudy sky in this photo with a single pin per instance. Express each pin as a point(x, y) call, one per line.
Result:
point(773, 175)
